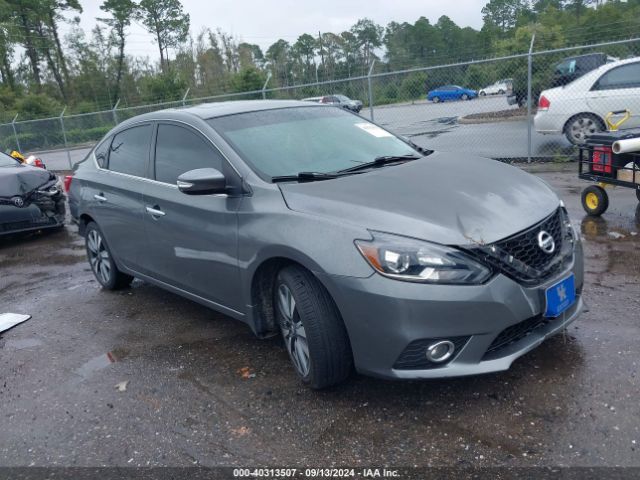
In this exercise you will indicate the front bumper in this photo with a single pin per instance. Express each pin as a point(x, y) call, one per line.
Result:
point(384, 316)
point(31, 218)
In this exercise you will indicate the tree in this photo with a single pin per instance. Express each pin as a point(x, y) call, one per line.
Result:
point(503, 13)
point(369, 35)
point(166, 20)
point(122, 11)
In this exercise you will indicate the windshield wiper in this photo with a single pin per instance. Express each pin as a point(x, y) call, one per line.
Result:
point(305, 177)
point(380, 161)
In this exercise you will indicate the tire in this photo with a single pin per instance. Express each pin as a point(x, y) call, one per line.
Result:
point(638, 194)
point(580, 126)
point(595, 200)
point(482, 93)
point(101, 260)
point(464, 97)
point(500, 92)
point(312, 329)
point(436, 100)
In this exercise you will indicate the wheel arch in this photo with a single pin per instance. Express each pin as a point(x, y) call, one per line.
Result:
point(262, 284)
point(83, 221)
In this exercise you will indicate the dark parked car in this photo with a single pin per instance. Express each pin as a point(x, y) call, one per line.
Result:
point(564, 72)
point(30, 197)
point(337, 100)
point(316, 223)
point(451, 92)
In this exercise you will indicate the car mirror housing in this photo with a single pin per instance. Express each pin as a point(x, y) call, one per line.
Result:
point(202, 181)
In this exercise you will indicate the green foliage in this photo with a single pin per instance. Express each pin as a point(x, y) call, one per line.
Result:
point(162, 87)
point(38, 105)
point(249, 79)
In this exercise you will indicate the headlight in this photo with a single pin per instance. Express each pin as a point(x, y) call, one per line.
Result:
point(414, 260)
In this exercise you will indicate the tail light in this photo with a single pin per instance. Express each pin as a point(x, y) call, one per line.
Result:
point(67, 182)
point(35, 162)
point(601, 159)
point(543, 103)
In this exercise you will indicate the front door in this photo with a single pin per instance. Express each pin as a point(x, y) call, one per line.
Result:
point(192, 239)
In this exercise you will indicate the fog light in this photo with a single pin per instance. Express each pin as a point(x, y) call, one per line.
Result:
point(440, 351)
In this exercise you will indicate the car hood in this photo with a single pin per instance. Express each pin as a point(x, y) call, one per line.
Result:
point(22, 180)
point(446, 198)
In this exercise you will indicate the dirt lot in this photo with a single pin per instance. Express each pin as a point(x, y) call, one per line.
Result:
point(202, 390)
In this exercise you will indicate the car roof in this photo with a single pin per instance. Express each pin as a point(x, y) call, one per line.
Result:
point(206, 111)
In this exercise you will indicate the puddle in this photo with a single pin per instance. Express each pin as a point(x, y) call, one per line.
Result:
point(101, 361)
point(21, 344)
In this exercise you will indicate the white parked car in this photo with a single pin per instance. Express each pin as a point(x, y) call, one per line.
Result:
point(579, 108)
point(499, 88)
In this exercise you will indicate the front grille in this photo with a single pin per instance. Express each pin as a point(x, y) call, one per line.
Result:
point(515, 333)
point(521, 258)
point(414, 356)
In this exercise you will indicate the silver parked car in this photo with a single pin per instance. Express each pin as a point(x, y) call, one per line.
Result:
point(360, 248)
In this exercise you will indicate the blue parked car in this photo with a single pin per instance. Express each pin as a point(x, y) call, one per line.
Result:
point(451, 92)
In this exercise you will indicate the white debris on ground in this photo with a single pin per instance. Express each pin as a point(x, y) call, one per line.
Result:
point(10, 320)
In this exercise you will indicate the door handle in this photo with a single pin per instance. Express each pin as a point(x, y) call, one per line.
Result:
point(155, 212)
point(100, 197)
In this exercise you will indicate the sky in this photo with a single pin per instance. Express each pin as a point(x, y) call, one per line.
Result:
point(265, 21)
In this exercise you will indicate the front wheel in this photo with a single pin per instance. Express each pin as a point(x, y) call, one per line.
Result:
point(436, 100)
point(464, 96)
point(482, 93)
point(595, 200)
point(314, 334)
point(101, 260)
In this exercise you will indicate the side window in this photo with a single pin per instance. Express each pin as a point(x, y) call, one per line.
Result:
point(129, 151)
point(102, 153)
point(179, 150)
point(626, 76)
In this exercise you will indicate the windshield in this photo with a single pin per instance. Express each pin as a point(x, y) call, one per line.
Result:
point(287, 141)
point(7, 161)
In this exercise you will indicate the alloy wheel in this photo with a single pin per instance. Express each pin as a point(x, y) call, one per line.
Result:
point(293, 331)
point(99, 256)
point(581, 128)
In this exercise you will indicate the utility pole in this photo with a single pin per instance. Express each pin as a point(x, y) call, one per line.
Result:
point(322, 54)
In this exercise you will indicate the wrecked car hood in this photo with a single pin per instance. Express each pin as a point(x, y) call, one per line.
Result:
point(447, 198)
point(22, 180)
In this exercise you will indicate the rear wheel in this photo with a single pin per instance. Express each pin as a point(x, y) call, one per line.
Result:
point(595, 200)
point(579, 127)
point(313, 332)
point(436, 100)
point(464, 96)
point(101, 260)
point(500, 92)
point(482, 93)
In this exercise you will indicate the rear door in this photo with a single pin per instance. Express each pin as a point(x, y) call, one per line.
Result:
point(192, 239)
point(618, 89)
point(115, 197)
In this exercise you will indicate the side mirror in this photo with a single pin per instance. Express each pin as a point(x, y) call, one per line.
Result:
point(202, 181)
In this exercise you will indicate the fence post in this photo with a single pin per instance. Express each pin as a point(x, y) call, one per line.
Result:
point(370, 89)
point(184, 98)
point(529, 81)
point(264, 87)
point(64, 137)
point(114, 113)
point(15, 132)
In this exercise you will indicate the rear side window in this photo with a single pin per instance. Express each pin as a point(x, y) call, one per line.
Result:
point(102, 153)
point(626, 76)
point(179, 150)
point(129, 151)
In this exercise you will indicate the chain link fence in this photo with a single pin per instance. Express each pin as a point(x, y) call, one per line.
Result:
point(478, 107)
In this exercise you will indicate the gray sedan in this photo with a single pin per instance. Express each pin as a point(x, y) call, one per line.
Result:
point(361, 249)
